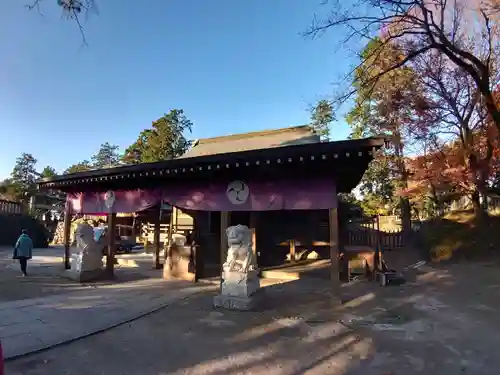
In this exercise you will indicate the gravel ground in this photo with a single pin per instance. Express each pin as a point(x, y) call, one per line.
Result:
point(443, 323)
point(44, 276)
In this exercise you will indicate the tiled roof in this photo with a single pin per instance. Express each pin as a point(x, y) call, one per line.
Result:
point(253, 141)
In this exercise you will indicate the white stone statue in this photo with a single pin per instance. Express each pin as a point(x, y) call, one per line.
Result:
point(239, 272)
point(86, 263)
point(240, 256)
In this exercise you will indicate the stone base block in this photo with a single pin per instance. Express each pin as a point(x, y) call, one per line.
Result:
point(245, 288)
point(85, 276)
point(240, 303)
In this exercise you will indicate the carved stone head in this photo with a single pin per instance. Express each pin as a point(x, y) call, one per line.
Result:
point(238, 235)
point(84, 233)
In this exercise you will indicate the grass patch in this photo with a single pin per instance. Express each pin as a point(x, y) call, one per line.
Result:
point(461, 235)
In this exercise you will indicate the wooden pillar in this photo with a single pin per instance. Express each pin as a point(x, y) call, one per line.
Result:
point(379, 246)
point(253, 226)
point(145, 233)
point(67, 238)
point(224, 223)
point(110, 256)
point(292, 251)
point(170, 233)
point(156, 239)
point(134, 222)
point(175, 218)
point(334, 254)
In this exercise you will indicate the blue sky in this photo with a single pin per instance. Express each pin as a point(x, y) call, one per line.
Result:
point(233, 66)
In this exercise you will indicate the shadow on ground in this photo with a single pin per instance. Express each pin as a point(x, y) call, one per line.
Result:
point(443, 323)
point(44, 280)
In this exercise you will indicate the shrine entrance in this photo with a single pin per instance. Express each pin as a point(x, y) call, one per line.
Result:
point(294, 179)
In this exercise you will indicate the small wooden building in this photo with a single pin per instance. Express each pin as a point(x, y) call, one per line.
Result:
point(282, 183)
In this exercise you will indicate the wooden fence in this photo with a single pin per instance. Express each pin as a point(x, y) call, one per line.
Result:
point(8, 207)
point(149, 229)
point(391, 240)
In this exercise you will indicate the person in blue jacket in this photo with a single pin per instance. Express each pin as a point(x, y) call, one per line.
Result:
point(23, 250)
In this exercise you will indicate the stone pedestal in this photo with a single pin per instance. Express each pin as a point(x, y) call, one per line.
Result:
point(239, 291)
point(85, 267)
point(179, 264)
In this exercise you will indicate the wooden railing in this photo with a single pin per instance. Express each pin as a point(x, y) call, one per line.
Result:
point(149, 229)
point(8, 207)
point(391, 240)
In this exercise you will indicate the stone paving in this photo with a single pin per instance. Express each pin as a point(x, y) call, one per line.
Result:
point(33, 324)
point(45, 274)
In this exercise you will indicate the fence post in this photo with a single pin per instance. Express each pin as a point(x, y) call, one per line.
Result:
point(2, 368)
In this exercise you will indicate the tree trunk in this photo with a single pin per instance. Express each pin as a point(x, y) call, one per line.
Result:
point(436, 209)
point(476, 202)
point(492, 108)
point(405, 208)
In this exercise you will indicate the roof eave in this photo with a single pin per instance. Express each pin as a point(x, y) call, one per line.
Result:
point(327, 147)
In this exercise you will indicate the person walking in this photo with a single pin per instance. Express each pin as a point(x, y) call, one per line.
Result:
point(23, 250)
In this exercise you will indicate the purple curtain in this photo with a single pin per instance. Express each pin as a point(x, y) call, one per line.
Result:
point(126, 201)
point(240, 195)
point(236, 195)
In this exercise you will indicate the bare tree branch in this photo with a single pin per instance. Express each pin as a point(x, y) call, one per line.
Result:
point(419, 27)
point(72, 9)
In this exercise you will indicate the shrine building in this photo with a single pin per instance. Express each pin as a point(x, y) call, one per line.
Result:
point(281, 183)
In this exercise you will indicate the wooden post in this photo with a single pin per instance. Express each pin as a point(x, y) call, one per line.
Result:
point(110, 256)
point(145, 233)
point(379, 246)
point(175, 221)
point(292, 251)
point(334, 254)
point(67, 238)
point(253, 226)
point(224, 223)
point(170, 233)
point(156, 239)
point(134, 223)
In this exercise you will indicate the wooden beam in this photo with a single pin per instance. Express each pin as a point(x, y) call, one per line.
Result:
point(224, 223)
point(67, 238)
point(334, 254)
point(110, 256)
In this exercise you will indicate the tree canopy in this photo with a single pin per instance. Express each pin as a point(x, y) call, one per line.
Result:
point(321, 117)
point(107, 156)
point(163, 141)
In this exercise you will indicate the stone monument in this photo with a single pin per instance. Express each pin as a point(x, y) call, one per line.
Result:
point(240, 287)
point(86, 263)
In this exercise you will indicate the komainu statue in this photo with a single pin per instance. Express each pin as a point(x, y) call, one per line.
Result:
point(86, 262)
point(240, 275)
point(240, 256)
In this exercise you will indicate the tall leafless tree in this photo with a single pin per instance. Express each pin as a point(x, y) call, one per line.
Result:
point(421, 27)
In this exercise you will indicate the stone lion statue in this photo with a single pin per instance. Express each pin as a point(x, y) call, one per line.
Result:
point(240, 257)
point(89, 252)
